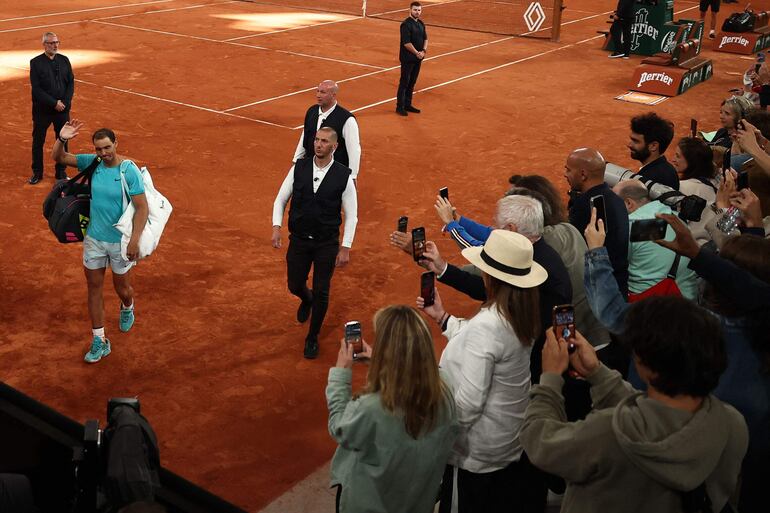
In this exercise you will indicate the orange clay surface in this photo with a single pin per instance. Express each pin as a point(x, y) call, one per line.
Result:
point(216, 353)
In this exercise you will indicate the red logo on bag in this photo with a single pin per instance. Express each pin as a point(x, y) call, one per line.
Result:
point(71, 237)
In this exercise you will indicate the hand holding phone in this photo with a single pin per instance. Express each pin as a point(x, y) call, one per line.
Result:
point(353, 337)
point(564, 324)
point(428, 288)
point(597, 202)
point(403, 221)
point(418, 243)
point(444, 192)
point(648, 229)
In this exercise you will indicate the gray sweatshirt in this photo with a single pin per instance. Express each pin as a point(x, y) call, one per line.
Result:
point(633, 453)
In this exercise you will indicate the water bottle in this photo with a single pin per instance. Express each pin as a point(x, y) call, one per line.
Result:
point(729, 220)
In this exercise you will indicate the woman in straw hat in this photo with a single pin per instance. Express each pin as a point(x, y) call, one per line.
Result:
point(487, 360)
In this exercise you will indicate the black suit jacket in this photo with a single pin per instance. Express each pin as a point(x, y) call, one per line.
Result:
point(51, 80)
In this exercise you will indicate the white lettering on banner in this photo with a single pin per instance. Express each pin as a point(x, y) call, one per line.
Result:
point(534, 16)
point(668, 43)
point(655, 77)
point(727, 40)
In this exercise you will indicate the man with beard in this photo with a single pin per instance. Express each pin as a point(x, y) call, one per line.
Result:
point(414, 45)
point(649, 139)
point(584, 171)
point(320, 189)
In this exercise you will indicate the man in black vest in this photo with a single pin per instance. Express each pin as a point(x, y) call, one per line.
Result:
point(414, 45)
point(53, 84)
point(327, 112)
point(319, 188)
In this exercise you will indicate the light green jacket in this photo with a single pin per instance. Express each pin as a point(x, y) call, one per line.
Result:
point(380, 467)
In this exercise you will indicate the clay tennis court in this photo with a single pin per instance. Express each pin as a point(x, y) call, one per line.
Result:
point(210, 96)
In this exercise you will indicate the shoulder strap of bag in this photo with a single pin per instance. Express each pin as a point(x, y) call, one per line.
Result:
point(674, 268)
point(84, 176)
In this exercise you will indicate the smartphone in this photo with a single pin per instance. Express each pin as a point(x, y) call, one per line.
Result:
point(353, 336)
point(742, 180)
point(693, 127)
point(597, 202)
point(418, 243)
point(648, 229)
point(428, 287)
point(444, 193)
point(564, 324)
point(403, 221)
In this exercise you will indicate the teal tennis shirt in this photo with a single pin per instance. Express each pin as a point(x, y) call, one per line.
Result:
point(107, 195)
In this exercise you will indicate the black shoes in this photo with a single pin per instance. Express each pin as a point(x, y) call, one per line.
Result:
point(34, 179)
point(401, 112)
point(311, 347)
point(305, 307)
point(412, 109)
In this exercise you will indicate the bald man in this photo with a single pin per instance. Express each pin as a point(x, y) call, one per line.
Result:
point(584, 171)
point(327, 112)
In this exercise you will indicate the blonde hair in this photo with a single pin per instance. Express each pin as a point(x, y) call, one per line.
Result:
point(403, 370)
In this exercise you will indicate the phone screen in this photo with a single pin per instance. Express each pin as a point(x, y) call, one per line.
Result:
point(742, 181)
point(428, 287)
point(597, 202)
point(564, 323)
point(648, 229)
point(403, 221)
point(693, 127)
point(444, 192)
point(353, 336)
point(418, 243)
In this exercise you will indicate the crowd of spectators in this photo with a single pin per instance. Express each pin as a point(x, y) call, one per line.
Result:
point(659, 400)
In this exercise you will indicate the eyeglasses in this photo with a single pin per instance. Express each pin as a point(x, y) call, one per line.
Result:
point(52, 42)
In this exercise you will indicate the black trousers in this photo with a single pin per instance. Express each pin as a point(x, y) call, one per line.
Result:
point(409, 73)
point(41, 120)
point(16, 494)
point(321, 255)
point(618, 28)
point(518, 487)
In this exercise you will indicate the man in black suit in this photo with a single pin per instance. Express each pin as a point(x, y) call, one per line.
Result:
point(320, 189)
point(53, 85)
point(620, 31)
point(414, 45)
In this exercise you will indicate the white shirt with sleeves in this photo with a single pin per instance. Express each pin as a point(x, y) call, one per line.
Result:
point(490, 369)
point(349, 200)
point(349, 132)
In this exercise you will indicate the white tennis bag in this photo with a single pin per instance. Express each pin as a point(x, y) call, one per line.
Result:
point(160, 209)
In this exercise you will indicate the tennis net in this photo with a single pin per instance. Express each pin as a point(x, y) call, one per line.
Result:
point(534, 18)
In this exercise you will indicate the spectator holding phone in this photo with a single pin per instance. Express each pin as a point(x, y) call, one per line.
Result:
point(675, 444)
point(394, 438)
point(650, 266)
point(487, 358)
point(584, 171)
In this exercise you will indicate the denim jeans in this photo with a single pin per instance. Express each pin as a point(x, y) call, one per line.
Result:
point(602, 292)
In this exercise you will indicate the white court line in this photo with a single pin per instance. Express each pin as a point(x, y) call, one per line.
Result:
point(208, 39)
point(164, 10)
point(290, 29)
point(485, 71)
point(85, 10)
point(406, 9)
point(41, 26)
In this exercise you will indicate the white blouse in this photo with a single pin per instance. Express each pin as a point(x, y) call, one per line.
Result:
point(490, 369)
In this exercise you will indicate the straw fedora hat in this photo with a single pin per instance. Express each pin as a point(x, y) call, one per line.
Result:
point(508, 257)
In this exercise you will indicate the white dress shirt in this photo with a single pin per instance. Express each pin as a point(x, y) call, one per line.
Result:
point(349, 133)
point(489, 367)
point(349, 200)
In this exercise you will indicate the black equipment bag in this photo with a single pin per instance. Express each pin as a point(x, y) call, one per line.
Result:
point(67, 207)
point(132, 458)
point(739, 22)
